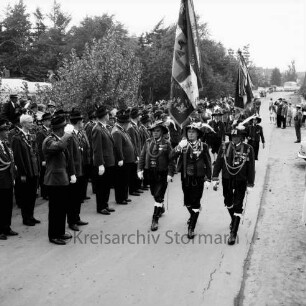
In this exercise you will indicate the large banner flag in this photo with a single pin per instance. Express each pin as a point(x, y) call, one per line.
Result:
point(244, 94)
point(185, 80)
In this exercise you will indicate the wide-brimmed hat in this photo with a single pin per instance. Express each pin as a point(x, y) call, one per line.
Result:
point(4, 124)
point(123, 116)
point(239, 130)
point(217, 113)
point(258, 118)
point(51, 104)
point(13, 95)
point(135, 112)
point(75, 114)
point(195, 126)
point(102, 111)
point(91, 114)
point(159, 123)
point(145, 119)
point(46, 116)
point(60, 112)
point(58, 122)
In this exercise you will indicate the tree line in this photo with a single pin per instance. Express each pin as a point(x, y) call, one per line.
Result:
point(98, 62)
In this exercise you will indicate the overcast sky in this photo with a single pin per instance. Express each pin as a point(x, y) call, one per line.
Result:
point(275, 29)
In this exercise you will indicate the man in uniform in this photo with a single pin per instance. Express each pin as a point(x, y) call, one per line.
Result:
point(216, 138)
point(125, 156)
point(255, 135)
point(237, 163)
point(103, 160)
point(42, 133)
point(10, 109)
point(6, 182)
point(298, 123)
point(75, 171)
point(133, 131)
point(28, 168)
point(57, 179)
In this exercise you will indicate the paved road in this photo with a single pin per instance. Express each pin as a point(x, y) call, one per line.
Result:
point(102, 267)
point(275, 273)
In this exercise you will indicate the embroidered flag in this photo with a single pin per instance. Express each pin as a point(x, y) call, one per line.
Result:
point(244, 94)
point(185, 80)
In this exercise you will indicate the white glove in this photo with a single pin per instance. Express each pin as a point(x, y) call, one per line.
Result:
point(169, 178)
point(183, 143)
point(101, 170)
point(69, 129)
point(206, 184)
point(215, 185)
point(249, 189)
point(140, 175)
point(43, 163)
point(120, 163)
point(73, 179)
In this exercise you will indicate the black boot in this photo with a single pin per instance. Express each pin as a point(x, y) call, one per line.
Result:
point(231, 212)
point(154, 226)
point(190, 212)
point(232, 238)
point(162, 210)
point(193, 221)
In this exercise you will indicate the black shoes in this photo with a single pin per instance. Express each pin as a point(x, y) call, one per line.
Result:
point(124, 202)
point(74, 227)
point(3, 237)
point(10, 233)
point(80, 222)
point(35, 220)
point(110, 209)
point(232, 238)
point(128, 200)
point(65, 237)
point(57, 241)
point(136, 194)
point(87, 198)
point(103, 212)
point(29, 222)
point(298, 141)
point(154, 225)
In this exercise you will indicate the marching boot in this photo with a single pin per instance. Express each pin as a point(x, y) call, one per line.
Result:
point(232, 238)
point(231, 212)
point(154, 226)
point(193, 221)
point(162, 210)
point(190, 212)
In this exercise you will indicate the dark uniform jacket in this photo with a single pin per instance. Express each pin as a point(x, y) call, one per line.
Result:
point(218, 128)
point(157, 155)
point(10, 111)
point(40, 137)
point(57, 160)
point(231, 156)
point(195, 161)
point(144, 135)
point(133, 131)
point(255, 133)
point(75, 155)
point(25, 155)
point(124, 148)
point(84, 144)
point(102, 146)
point(88, 129)
point(6, 166)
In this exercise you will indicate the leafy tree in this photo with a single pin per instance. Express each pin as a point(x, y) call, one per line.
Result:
point(276, 77)
point(93, 28)
point(107, 73)
point(15, 39)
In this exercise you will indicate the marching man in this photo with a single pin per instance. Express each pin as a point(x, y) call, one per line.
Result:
point(237, 162)
point(156, 157)
point(195, 166)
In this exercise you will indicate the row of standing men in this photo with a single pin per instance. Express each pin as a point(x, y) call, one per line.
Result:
point(71, 155)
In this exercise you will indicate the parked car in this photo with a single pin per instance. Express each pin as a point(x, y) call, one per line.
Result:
point(302, 151)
